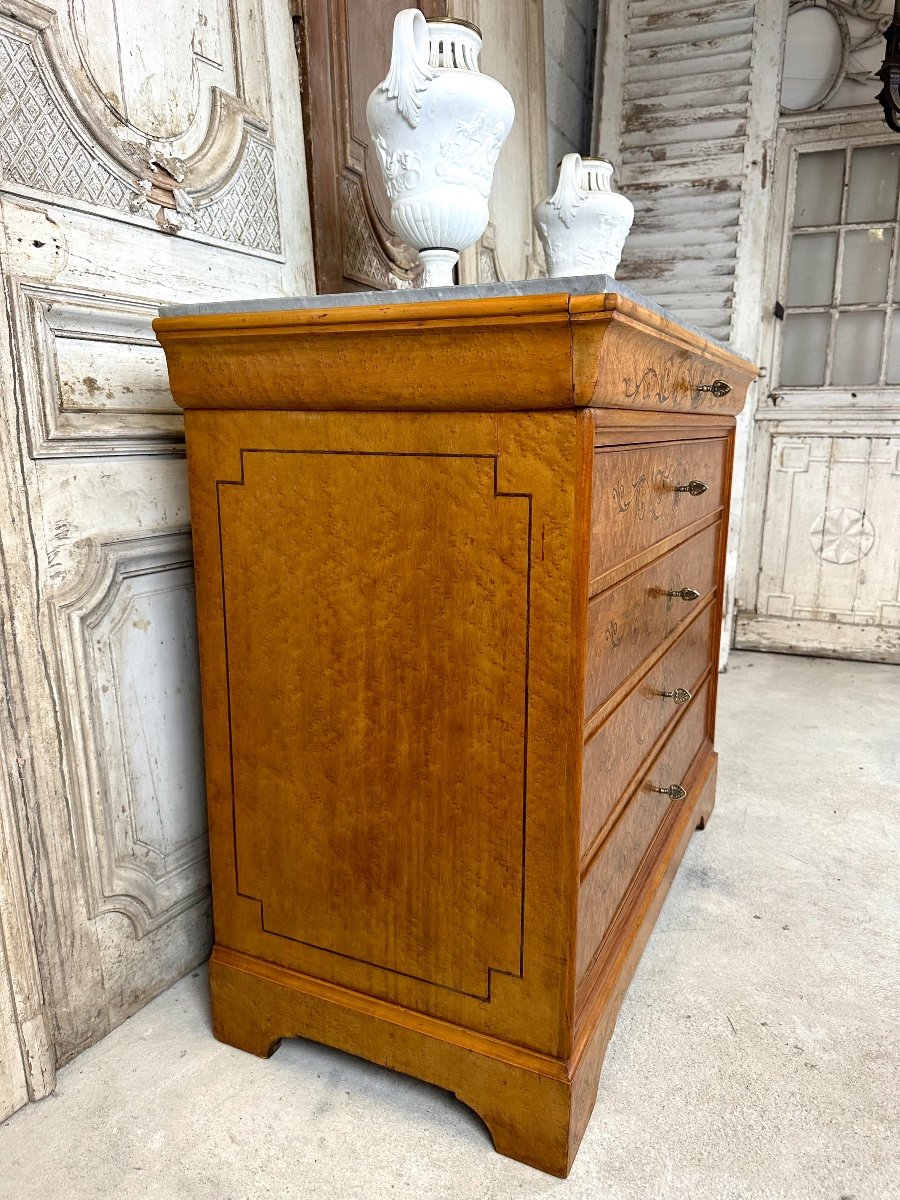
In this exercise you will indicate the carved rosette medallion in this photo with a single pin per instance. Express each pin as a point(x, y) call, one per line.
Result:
point(842, 535)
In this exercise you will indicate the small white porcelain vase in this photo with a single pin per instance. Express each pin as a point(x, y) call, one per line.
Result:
point(584, 224)
point(438, 125)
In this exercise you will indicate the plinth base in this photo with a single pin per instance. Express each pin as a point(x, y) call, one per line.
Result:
point(536, 1107)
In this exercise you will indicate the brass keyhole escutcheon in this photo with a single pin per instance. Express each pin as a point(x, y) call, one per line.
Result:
point(718, 387)
point(675, 790)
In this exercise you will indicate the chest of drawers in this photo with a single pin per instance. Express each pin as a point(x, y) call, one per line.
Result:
point(459, 569)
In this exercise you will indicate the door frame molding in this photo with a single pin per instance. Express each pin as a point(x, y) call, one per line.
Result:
point(345, 222)
point(22, 869)
point(75, 974)
point(19, 951)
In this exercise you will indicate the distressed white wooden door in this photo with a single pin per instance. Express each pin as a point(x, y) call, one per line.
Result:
point(148, 152)
point(821, 553)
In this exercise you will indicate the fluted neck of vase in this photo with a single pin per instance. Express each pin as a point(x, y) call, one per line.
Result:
point(595, 175)
point(454, 45)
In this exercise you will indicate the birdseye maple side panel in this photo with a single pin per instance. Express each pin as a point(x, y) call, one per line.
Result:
point(391, 673)
point(377, 613)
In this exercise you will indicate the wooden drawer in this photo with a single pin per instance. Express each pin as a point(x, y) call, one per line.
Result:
point(635, 502)
point(616, 751)
point(611, 872)
point(627, 622)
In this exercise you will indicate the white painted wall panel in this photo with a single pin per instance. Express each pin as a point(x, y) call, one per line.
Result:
point(134, 169)
point(570, 29)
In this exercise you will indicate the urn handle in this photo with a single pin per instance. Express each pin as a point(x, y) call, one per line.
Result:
point(409, 73)
point(569, 195)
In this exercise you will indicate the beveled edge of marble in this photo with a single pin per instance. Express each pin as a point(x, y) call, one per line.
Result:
point(573, 285)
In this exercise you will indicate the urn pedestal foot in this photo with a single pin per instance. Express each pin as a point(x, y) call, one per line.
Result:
point(438, 266)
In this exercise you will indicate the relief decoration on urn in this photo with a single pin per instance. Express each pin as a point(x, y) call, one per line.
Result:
point(584, 224)
point(438, 125)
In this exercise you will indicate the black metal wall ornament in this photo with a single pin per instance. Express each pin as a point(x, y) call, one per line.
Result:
point(889, 96)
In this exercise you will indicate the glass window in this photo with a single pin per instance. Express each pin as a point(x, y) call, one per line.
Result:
point(857, 348)
point(845, 279)
point(803, 349)
point(812, 57)
point(820, 185)
point(811, 274)
point(892, 374)
point(867, 256)
point(873, 184)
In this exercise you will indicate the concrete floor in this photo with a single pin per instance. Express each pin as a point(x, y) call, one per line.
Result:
point(757, 1055)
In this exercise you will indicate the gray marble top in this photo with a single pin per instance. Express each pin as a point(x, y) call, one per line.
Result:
point(575, 285)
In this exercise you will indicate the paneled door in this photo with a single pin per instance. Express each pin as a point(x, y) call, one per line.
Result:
point(821, 552)
point(148, 153)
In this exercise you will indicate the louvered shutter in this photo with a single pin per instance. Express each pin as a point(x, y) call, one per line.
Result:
point(685, 100)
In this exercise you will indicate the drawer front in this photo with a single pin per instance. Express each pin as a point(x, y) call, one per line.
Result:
point(614, 754)
point(620, 856)
point(627, 622)
point(635, 498)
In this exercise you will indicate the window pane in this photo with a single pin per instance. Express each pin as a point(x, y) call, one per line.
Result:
point(873, 184)
point(892, 374)
point(867, 256)
point(857, 348)
point(803, 349)
point(820, 182)
point(811, 273)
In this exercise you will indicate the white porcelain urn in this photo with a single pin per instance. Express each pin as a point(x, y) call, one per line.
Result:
point(438, 125)
point(584, 224)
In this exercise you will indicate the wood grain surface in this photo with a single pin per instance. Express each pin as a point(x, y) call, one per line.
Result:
point(393, 733)
point(627, 622)
point(390, 712)
point(415, 858)
point(616, 750)
point(509, 353)
point(608, 875)
point(635, 503)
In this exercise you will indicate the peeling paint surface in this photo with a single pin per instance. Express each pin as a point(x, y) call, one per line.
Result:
point(684, 120)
